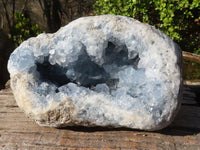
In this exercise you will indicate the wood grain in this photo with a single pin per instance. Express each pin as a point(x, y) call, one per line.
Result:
point(191, 56)
point(19, 132)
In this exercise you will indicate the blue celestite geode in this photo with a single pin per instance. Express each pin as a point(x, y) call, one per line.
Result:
point(99, 71)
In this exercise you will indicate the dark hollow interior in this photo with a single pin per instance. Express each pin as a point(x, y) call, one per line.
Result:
point(52, 73)
point(87, 72)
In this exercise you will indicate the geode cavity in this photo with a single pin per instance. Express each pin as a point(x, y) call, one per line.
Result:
point(99, 71)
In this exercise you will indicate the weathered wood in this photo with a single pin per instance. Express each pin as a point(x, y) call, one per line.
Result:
point(191, 56)
point(19, 132)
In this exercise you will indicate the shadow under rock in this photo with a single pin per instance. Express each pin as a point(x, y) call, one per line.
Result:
point(95, 129)
point(170, 130)
point(179, 131)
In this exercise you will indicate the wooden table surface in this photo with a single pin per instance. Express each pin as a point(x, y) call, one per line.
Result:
point(19, 132)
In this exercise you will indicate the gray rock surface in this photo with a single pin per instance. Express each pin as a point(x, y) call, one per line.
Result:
point(99, 71)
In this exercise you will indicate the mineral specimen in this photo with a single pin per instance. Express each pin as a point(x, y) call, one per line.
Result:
point(99, 71)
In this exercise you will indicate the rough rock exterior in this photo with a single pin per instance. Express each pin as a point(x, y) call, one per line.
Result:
point(99, 71)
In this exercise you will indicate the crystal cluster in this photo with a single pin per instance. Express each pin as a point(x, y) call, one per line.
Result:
point(99, 71)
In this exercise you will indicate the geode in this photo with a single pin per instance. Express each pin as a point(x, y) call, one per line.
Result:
point(106, 70)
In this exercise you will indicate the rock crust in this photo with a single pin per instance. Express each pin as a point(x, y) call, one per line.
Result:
point(99, 71)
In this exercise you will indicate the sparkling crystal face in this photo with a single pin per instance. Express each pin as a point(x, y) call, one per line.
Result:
point(113, 70)
point(87, 73)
